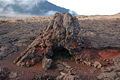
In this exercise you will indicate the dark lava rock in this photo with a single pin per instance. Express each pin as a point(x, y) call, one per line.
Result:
point(7, 49)
point(63, 31)
point(4, 72)
point(2, 32)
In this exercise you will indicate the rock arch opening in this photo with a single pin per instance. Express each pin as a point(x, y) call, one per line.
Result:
point(61, 53)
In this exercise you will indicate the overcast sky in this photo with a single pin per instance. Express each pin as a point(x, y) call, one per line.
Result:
point(90, 7)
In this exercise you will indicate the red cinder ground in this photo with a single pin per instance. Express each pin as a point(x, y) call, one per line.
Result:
point(109, 53)
point(86, 72)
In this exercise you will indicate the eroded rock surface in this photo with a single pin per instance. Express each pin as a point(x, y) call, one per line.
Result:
point(62, 31)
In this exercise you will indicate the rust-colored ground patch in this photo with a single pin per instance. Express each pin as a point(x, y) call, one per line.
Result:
point(109, 54)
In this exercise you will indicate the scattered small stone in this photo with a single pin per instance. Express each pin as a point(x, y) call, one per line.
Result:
point(106, 60)
point(117, 61)
point(107, 69)
point(97, 64)
point(31, 62)
point(46, 63)
point(44, 77)
point(93, 70)
point(87, 63)
point(62, 66)
point(12, 75)
point(118, 73)
point(111, 75)
point(78, 59)
point(111, 72)
point(117, 70)
point(68, 76)
point(118, 78)
point(66, 65)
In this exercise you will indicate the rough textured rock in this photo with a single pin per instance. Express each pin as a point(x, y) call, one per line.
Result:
point(63, 31)
point(117, 61)
point(31, 60)
point(97, 64)
point(87, 63)
point(46, 63)
point(62, 66)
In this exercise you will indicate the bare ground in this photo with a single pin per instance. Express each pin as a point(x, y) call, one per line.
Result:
point(100, 33)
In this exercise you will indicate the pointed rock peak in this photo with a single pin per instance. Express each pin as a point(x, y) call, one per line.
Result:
point(64, 20)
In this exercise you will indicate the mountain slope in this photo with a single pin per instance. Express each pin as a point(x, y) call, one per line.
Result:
point(39, 8)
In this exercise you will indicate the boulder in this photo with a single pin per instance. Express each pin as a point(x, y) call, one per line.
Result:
point(97, 64)
point(46, 63)
point(63, 31)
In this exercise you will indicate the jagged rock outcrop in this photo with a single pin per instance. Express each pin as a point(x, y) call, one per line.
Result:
point(62, 32)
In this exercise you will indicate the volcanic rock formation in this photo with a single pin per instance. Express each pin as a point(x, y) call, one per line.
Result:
point(60, 34)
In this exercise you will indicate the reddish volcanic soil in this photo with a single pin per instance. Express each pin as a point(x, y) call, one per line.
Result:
point(109, 53)
point(86, 72)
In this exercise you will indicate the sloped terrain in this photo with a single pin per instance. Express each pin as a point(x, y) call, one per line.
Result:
point(17, 8)
point(100, 33)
